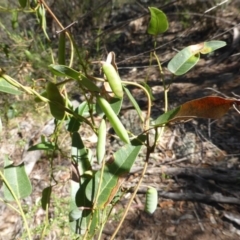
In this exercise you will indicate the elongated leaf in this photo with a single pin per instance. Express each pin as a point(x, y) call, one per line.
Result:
point(64, 71)
point(134, 103)
point(207, 107)
point(56, 103)
point(61, 48)
point(113, 173)
point(80, 154)
point(183, 61)
point(47, 146)
point(46, 194)
point(212, 46)
point(17, 179)
point(158, 22)
point(87, 83)
point(1, 127)
point(8, 88)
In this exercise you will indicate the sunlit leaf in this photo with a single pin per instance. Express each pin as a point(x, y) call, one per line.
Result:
point(122, 162)
point(8, 88)
point(183, 61)
point(80, 153)
point(207, 107)
point(64, 71)
point(17, 179)
point(47, 146)
point(158, 22)
point(212, 46)
point(134, 103)
point(187, 58)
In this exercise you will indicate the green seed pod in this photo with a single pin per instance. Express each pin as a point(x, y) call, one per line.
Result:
point(101, 144)
point(113, 119)
point(113, 79)
point(151, 200)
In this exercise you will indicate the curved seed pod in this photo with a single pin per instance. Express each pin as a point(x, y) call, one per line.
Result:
point(101, 141)
point(113, 79)
point(113, 119)
point(151, 200)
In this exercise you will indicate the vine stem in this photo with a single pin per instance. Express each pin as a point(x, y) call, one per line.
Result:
point(130, 201)
point(146, 127)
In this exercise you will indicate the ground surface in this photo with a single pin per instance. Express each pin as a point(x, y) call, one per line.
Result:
point(196, 165)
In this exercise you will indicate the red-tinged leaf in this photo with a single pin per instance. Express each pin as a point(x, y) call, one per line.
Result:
point(207, 107)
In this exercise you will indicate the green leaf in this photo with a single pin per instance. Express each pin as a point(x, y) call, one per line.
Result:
point(80, 154)
point(47, 146)
point(87, 83)
point(158, 22)
point(17, 179)
point(64, 71)
point(8, 88)
point(23, 3)
point(166, 117)
point(183, 61)
point(101, 144)
point(212, 46)
point(61, 48)
point(113, 172)
point(46, 193)
point(134, 103)
point(43, 94)
point(82, 110)
point(1, 127)
point(57, 104)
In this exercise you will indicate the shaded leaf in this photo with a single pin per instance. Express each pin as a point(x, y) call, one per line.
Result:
point(80, 154)
point(87, 83)
point(23, 3)
point(61, 48)
point(57, 104)
point(46, 193)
